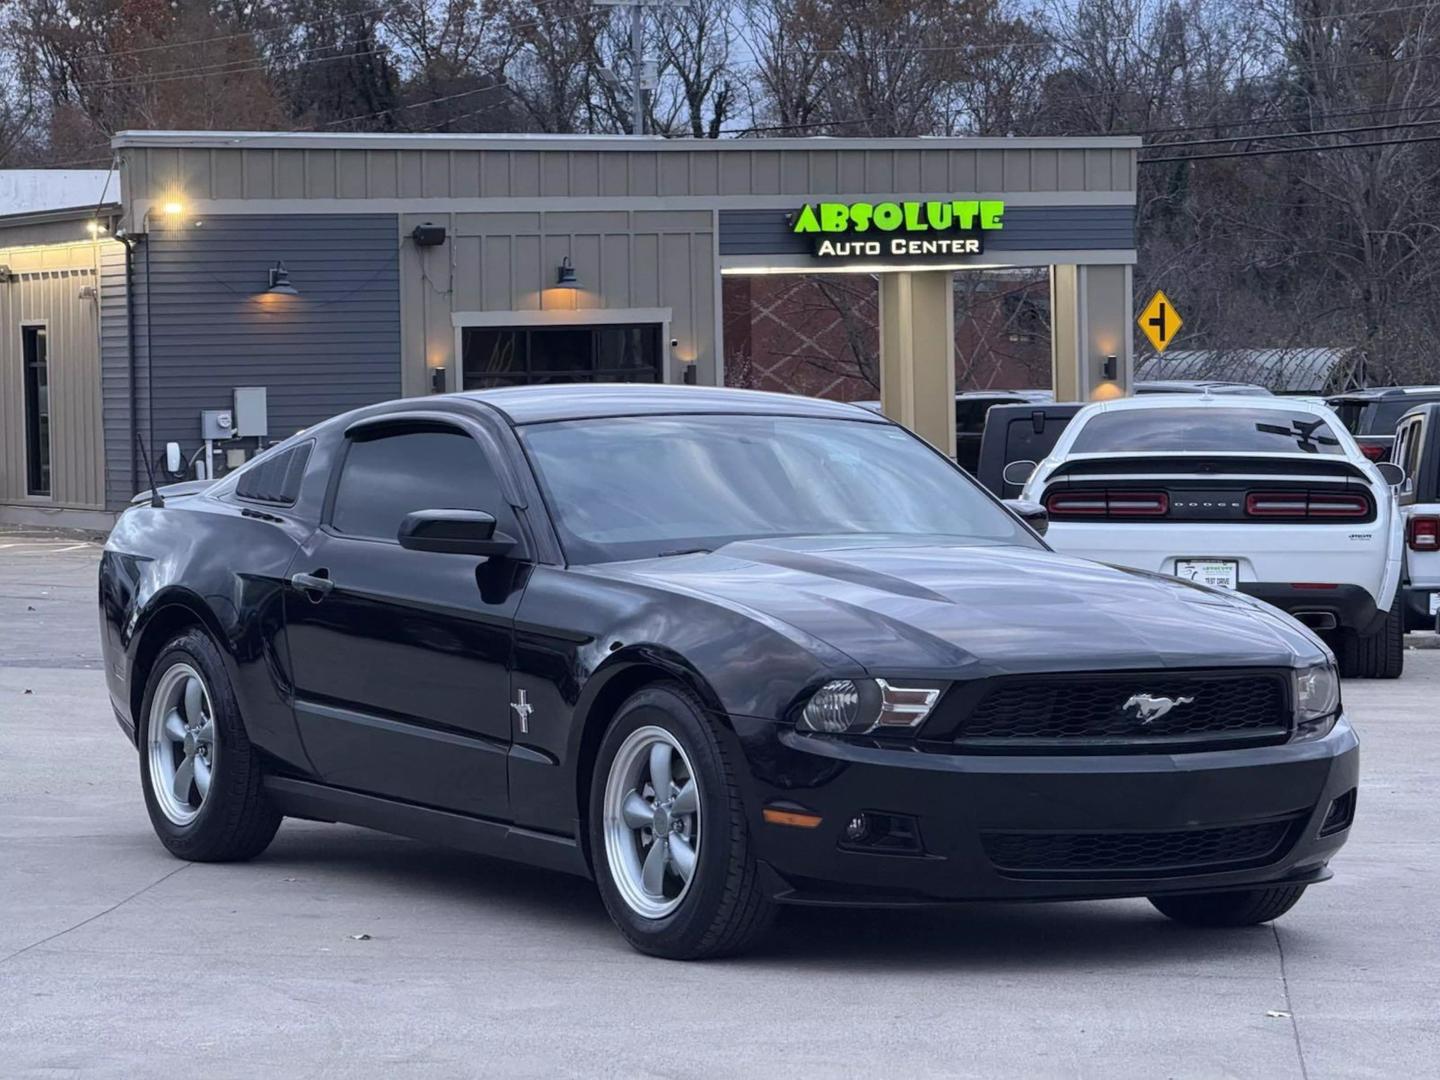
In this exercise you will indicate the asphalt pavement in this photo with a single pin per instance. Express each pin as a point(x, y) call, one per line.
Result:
point(342, 953)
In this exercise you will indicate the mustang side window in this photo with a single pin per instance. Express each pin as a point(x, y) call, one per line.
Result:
point(394, 473)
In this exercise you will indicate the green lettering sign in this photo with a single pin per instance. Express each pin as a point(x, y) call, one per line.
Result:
point(903, 217)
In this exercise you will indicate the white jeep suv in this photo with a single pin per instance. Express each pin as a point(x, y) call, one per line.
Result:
point(1266, 495)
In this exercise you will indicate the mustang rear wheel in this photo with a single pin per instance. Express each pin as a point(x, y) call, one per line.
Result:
point(200, 775)
point(668, 836)
point(1246, 907)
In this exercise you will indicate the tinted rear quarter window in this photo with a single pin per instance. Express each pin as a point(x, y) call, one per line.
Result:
point(1206, 430)
point(275, 479)
point(397, 472)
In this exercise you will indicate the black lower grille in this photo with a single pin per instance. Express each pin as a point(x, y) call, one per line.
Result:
point(1110, 854)
point(1135, 709)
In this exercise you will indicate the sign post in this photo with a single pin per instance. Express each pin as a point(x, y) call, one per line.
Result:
point(1160, 322)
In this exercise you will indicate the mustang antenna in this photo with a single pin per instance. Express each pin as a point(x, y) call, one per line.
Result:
point(156, 499)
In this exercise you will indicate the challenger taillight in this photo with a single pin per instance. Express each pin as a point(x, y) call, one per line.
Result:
point(1422, 533)
point(1374, 451)
point(1306, 504)
point(1107, 504)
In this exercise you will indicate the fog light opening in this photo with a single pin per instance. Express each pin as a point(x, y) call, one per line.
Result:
point(1340, 815)
point(881, 833)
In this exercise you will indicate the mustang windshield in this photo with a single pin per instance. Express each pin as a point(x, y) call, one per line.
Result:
point(638, 487)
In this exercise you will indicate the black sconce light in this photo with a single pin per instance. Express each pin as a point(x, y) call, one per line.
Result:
point(437, 379)
point(1112, 367)
point(280, 281)
point(566, 277)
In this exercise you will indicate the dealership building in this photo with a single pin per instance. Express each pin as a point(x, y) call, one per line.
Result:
point(223, 290)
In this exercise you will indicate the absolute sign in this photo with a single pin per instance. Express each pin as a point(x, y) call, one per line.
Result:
point(936, 229)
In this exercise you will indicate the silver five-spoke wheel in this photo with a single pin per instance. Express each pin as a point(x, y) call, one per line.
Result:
point(652, 822)
point(182, 744)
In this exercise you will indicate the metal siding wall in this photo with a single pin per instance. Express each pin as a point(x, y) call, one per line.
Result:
point(115, 377)
point(507, 262)
point(616, 170)
point(334, 347)
point(47, 290)
point(1027, 228)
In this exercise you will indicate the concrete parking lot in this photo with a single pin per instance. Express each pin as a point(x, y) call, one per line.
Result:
point(347, 953)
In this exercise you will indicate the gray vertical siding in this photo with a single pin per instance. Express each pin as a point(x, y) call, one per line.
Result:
point(46, 289)
point(210, 325)
point(123, 475)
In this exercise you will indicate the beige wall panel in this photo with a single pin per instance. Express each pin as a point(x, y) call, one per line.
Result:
point(852, 170)
point(964, 170)
point(496, 224)
point(934, 171)
point(764, 172)
point(528, 263)
point(990, 171)
point(1072, 170)
point(794, 172)
point(584, 174)
point(907, 171)
point(435, 175)
point(704, 172)
point(1097, 170)
point(674, 174)
point(466, 283)
point(554, 174)
point(615, 270)
point(259, 166)
point(582, 221)
point(1044, 170)
point(495, 175)
point(644, 174)
point(643, 221)
point(824, 174)
point(289, 174)
point(495, 273)
point(734, 173)
point(382, 174)
point(1016, 172)
point(195, 173)
point(879, 171)
point(411, 176)
point(614, 175)
point(319, 174)
point(525, 173)
point(645, 270)
point(47, 292)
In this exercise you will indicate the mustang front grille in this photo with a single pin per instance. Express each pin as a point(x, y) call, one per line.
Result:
point(1137, 711)
point(1135, 854)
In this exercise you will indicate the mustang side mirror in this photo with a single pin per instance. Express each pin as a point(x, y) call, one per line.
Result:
point(1032, 513)
point(1393, 474)
point(1017, 472)
point(455, 532)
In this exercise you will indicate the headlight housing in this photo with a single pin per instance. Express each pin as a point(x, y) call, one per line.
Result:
point(866, 706)
point(1317, 700)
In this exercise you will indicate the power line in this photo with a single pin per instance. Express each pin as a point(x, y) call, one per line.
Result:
point(1363, 130)
point(1292, 150)
point(420, 104)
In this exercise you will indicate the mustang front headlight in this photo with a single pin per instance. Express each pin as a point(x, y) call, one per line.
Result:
point(1317, 700)
point(865, 706)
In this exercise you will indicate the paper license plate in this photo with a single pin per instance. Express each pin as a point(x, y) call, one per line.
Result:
point(1221, 573)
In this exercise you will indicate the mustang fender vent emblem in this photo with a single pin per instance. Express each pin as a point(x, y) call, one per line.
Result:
point(1149, 707)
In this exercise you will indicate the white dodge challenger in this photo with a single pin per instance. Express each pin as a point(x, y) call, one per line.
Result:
point(1267, 495)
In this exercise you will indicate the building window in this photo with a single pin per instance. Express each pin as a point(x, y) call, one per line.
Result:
point(37, 410)
point(1024, 319)
point(516, 356)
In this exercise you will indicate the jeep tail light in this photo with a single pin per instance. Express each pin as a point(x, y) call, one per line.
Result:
point(1110, 504)
point(1306, 504)
point(1423, 533)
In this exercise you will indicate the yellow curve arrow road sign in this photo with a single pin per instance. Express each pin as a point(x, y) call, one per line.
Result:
point(1160, 322)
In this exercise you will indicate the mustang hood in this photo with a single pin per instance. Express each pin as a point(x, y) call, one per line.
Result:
point(898, 607)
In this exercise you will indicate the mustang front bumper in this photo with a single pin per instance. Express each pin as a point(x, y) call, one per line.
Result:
point(941, 827)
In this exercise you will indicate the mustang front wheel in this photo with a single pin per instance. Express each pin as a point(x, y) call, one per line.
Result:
point(668, 835)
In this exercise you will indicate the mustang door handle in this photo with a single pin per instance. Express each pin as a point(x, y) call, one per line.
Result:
point(312, 583)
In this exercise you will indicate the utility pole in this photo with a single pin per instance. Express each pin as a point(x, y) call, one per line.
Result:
point(637, 62)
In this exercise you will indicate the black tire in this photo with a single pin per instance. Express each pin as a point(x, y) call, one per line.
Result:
point(1247, 907)
point(724, 910)
point(1380, 655)
point(236, 819)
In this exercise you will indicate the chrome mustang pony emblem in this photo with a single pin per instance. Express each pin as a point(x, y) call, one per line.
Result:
point(1149, 707)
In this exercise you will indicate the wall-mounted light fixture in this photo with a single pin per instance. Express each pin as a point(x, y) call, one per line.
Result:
point(6, 274)
point(172, 208)
point(428, 235)
point(95, 228)
point(565, 277)
point(1111, 368)
point(280, 281)
point(437, 379)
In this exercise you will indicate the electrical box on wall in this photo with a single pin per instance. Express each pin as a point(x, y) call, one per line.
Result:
point(252, 416)
point(216, 424)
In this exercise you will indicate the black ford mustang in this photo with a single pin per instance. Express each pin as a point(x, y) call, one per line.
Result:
point(717, 650)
